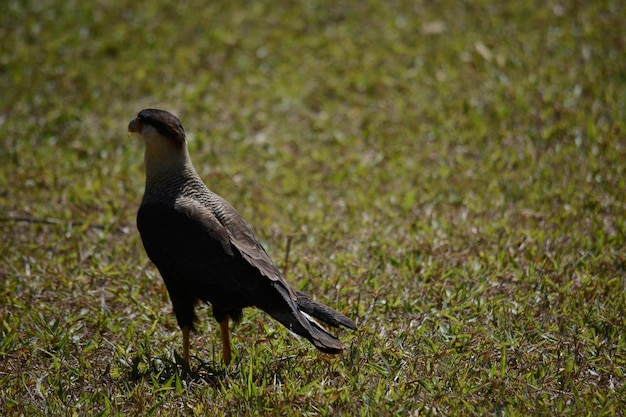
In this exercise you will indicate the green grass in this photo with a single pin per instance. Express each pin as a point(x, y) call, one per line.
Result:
point(450, 174)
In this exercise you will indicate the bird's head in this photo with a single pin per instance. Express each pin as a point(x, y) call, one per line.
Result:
point(164, 138)
point(153, 123)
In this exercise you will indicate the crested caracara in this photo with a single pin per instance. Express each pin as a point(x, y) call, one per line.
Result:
point(205, 251)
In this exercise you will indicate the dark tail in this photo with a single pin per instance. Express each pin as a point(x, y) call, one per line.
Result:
point(323, 340)
point(323, 313)
point(299, 318)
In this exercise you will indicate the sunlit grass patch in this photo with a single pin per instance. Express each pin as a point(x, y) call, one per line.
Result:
point(450, 175)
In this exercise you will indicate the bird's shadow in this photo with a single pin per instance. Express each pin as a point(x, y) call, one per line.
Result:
point(163, 370)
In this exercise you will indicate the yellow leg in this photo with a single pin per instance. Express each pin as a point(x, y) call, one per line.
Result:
point(225, 339)
point(186, 330)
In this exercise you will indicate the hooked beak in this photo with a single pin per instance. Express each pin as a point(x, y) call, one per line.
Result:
point(135, 126)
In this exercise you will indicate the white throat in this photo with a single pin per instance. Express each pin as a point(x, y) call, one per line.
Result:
point(163, 158)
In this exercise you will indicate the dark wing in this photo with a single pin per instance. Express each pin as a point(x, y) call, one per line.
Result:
point(246, 243)
point(243, 239)
point(192, 249)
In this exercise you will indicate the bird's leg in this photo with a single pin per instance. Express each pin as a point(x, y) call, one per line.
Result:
point(186, 330)
point(225, 339)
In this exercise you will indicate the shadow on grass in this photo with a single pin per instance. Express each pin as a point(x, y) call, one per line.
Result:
point(164, 371)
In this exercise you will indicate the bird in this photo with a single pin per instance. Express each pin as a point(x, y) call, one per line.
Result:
point(206, 252)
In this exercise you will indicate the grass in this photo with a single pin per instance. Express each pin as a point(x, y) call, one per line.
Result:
point(449, 174)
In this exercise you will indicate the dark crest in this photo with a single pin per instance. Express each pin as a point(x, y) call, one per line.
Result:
point(165, 123)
